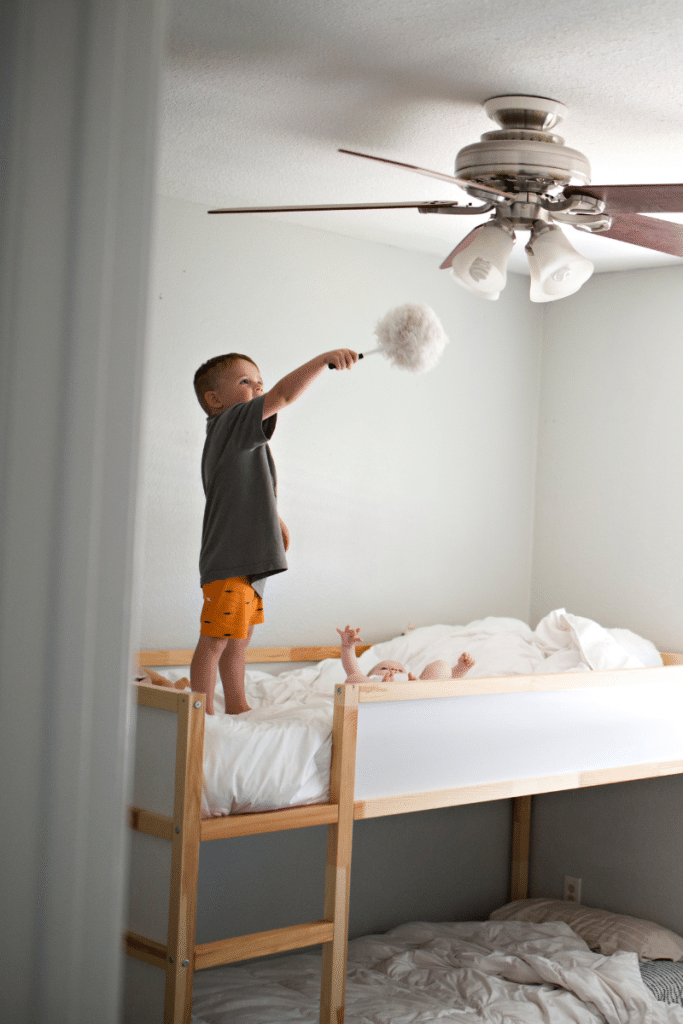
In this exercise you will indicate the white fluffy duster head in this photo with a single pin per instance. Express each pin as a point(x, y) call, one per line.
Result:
point(411, 337)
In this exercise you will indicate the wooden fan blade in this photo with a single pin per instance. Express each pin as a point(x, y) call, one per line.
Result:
point(466, 241)
point(651, 233)
point(633, 198)
point(431, 174)
point(436, 203)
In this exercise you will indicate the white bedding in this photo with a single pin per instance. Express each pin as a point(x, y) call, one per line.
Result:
point(499, 972)
point(278, 754)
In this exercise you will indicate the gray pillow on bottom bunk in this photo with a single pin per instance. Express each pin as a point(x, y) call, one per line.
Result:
point(664, 980)
point(601, 930)
point(606, 932)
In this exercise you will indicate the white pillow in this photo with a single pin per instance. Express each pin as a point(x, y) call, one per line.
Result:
point(636, 645)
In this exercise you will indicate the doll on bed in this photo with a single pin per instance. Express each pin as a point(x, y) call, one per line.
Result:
point(387, 669)
point(148, 675)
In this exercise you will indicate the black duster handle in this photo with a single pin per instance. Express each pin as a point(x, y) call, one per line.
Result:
point(331, 366)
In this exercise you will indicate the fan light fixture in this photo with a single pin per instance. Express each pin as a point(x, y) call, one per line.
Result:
point(480, 261)
point(557, 269)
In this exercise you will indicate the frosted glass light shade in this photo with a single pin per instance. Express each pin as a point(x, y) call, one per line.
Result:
point(480, 264)
point(557, 269)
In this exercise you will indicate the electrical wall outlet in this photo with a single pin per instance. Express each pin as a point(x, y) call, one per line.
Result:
point(572, 889)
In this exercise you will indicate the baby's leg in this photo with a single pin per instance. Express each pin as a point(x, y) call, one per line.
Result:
point(232, 665)
point(436, 670)
point(465, 663)
point(204, 666)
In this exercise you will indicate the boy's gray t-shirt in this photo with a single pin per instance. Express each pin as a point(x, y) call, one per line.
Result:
point(241, 533)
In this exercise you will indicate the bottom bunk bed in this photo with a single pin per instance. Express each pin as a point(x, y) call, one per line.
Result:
point(395, 748)
point(498, 971)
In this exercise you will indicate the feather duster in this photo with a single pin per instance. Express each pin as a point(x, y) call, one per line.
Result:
point(411, 337)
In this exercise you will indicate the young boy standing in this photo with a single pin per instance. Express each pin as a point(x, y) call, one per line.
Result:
point(243, 539)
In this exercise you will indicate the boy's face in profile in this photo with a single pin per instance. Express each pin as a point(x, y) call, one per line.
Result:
point(240, 382)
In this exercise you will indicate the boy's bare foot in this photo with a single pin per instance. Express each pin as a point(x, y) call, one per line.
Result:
point(465, 663)
point(238, 708)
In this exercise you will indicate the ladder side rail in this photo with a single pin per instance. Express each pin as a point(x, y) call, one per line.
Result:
point(338, 864)
point(182, 915)
point(521, 841)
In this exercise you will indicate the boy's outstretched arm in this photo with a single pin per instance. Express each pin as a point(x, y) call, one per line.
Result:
point(295, 383)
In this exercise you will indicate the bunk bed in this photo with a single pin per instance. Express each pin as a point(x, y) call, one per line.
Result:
point(645, 742)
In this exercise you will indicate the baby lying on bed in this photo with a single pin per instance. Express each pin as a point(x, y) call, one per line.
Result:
point(387, 669)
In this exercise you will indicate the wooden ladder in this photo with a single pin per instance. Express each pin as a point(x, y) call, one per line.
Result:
point(180, 957)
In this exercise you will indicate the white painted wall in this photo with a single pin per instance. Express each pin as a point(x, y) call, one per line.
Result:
point(409, 499)
point(608, 542)
point(609, 545)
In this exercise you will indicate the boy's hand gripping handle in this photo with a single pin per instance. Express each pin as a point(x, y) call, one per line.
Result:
point(331, 366)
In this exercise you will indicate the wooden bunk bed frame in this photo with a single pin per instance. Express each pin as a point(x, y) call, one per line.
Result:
point(186, 829)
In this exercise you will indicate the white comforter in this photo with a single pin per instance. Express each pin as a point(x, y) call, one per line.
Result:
point(499, 972)
point(278, 754)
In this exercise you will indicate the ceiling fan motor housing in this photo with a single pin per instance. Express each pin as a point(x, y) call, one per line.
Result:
point(524, 155)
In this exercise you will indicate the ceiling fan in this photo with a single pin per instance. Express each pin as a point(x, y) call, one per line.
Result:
point(525, 176)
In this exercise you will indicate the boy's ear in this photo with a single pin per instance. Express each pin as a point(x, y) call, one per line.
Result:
point(212, 400)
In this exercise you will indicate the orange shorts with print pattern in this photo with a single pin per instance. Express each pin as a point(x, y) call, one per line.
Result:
point(230, 608)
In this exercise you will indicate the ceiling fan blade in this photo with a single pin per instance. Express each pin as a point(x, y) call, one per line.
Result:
point(432, 174)
point(633, 198)
point(436, 203)
point(651, 233)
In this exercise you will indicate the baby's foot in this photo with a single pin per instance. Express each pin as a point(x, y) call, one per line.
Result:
point(465, 663)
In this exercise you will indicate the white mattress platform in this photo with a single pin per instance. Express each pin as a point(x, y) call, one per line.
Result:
point(278, 754)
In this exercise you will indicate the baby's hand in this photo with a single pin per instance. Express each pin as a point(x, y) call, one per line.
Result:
point(350, 637)
point(340, 358)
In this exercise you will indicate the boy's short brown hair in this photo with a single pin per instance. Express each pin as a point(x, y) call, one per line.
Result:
point(207, 377)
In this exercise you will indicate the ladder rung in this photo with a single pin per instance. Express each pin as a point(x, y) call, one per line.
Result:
point(246, 947)
point(146, 949)
point(268, 821)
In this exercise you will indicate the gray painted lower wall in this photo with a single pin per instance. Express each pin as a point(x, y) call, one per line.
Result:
point(445, 864)
point(624, 841)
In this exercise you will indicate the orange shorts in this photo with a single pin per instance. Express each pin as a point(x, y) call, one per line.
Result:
point(230, 608)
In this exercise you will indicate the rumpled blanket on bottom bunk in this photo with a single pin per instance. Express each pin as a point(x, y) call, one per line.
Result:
point(278, 754)
point(499, 972)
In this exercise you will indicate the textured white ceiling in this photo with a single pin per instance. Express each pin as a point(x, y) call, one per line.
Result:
point(259, 94)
